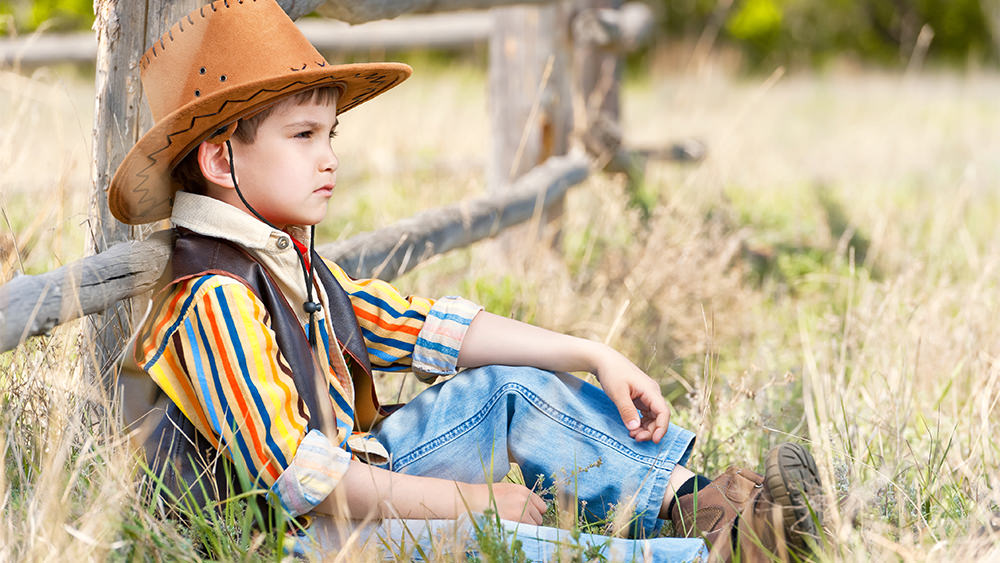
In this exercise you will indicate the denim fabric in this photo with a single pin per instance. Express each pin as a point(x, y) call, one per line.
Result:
point(455, 539)
point(556, 427)
point(559, 430)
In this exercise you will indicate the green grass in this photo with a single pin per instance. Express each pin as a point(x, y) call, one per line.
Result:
point(828, 275)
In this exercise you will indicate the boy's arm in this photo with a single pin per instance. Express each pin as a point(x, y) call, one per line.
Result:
point(404, 333)
point(492, 339)
point(365, 490)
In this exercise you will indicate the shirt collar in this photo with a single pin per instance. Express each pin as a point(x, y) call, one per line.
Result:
point(215, 218)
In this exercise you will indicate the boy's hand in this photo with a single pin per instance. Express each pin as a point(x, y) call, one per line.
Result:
point(636, 395)
point(513, 501)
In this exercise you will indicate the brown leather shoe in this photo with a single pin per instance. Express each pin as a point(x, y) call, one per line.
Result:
point(771, 513)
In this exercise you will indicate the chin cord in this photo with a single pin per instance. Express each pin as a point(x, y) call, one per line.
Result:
point(308, 273)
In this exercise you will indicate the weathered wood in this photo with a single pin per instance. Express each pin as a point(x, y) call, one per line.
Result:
point(43, 48)
point(529, 90)
point(409, 32)
point(355, 11)
point(613, 26)
point(607, 28)
point(598, 74)
point(124, 30)
point(397, 249)
point(32, 305)
point(426, 31)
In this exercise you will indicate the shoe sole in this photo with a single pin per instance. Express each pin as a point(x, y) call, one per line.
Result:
point(793, 480)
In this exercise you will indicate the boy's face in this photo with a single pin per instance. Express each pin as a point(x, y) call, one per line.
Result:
point(288, 173)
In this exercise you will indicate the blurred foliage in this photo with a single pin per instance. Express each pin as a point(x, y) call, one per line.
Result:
point(809, 32)
point(768, 32)
point(24, 16)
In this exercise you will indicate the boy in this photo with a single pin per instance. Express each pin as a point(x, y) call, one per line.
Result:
point(266, 351)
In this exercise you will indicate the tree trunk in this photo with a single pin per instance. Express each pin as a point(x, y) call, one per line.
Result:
point(124, 30)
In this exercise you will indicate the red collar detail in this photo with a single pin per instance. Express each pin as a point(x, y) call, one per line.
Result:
point(302, 250)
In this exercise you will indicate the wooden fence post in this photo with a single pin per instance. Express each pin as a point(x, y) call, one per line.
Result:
point(529, 90)
point(124, 30)
point(597, 75)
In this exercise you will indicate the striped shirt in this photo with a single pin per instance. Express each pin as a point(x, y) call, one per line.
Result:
point(209, 345)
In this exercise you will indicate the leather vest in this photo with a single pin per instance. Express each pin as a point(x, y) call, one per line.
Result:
point(181, 458)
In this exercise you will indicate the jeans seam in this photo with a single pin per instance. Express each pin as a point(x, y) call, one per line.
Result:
point(544, 407)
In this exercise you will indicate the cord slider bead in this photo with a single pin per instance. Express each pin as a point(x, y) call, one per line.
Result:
point(312, 307)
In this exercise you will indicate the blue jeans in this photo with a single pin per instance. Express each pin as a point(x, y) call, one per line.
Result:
point(560, 431)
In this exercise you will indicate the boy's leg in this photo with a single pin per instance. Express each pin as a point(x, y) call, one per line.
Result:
point(557, 428)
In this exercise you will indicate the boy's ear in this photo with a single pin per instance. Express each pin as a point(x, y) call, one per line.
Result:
point(213, 159)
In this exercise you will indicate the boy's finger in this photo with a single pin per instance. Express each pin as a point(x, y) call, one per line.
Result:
point(628, 412)
point(538, 503)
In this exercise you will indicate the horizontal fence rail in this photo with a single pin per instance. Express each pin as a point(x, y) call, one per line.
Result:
point(397, 249)
point(34, 304)
point(622, 29)
point(429, 31)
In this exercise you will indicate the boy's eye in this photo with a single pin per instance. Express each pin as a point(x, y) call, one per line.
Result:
point(304, 134)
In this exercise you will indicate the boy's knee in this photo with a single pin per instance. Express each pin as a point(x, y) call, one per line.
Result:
point(519, 379)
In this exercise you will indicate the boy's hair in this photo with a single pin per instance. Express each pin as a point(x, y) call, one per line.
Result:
point(188, 172)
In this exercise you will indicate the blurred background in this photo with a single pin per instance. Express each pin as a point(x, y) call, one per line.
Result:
point(804, 33)
point(807, 250)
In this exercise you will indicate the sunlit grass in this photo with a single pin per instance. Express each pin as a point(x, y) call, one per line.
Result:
point(829, 274)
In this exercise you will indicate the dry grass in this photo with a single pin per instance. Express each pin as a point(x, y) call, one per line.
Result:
point(829, 275)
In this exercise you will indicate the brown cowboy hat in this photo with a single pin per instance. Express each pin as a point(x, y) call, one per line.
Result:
point(225, 60)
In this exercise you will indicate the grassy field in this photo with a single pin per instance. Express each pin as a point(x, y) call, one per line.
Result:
point(828, 275)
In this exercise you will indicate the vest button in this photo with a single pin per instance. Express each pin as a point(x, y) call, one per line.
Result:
point(282, 243)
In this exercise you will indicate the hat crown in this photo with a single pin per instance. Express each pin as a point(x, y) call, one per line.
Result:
point(221, 46)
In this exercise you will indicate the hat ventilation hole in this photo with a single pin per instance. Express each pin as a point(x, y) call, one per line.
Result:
point(202, 70)
point(222, 78)
point(197, 93)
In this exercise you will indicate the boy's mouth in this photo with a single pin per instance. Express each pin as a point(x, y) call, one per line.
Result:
point(326, 190)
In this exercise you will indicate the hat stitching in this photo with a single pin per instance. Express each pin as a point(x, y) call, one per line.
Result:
point(152, 155)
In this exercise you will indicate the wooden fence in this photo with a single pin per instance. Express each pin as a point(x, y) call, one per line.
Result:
point(532, 164)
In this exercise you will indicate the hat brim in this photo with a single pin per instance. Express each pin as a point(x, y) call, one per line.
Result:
point(142, 189)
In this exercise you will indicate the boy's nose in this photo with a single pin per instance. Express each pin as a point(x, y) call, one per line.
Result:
point(330, 162)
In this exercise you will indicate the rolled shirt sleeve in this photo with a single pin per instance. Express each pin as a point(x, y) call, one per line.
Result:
point(408, 333)
point(435, 352)
point(315, 470)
